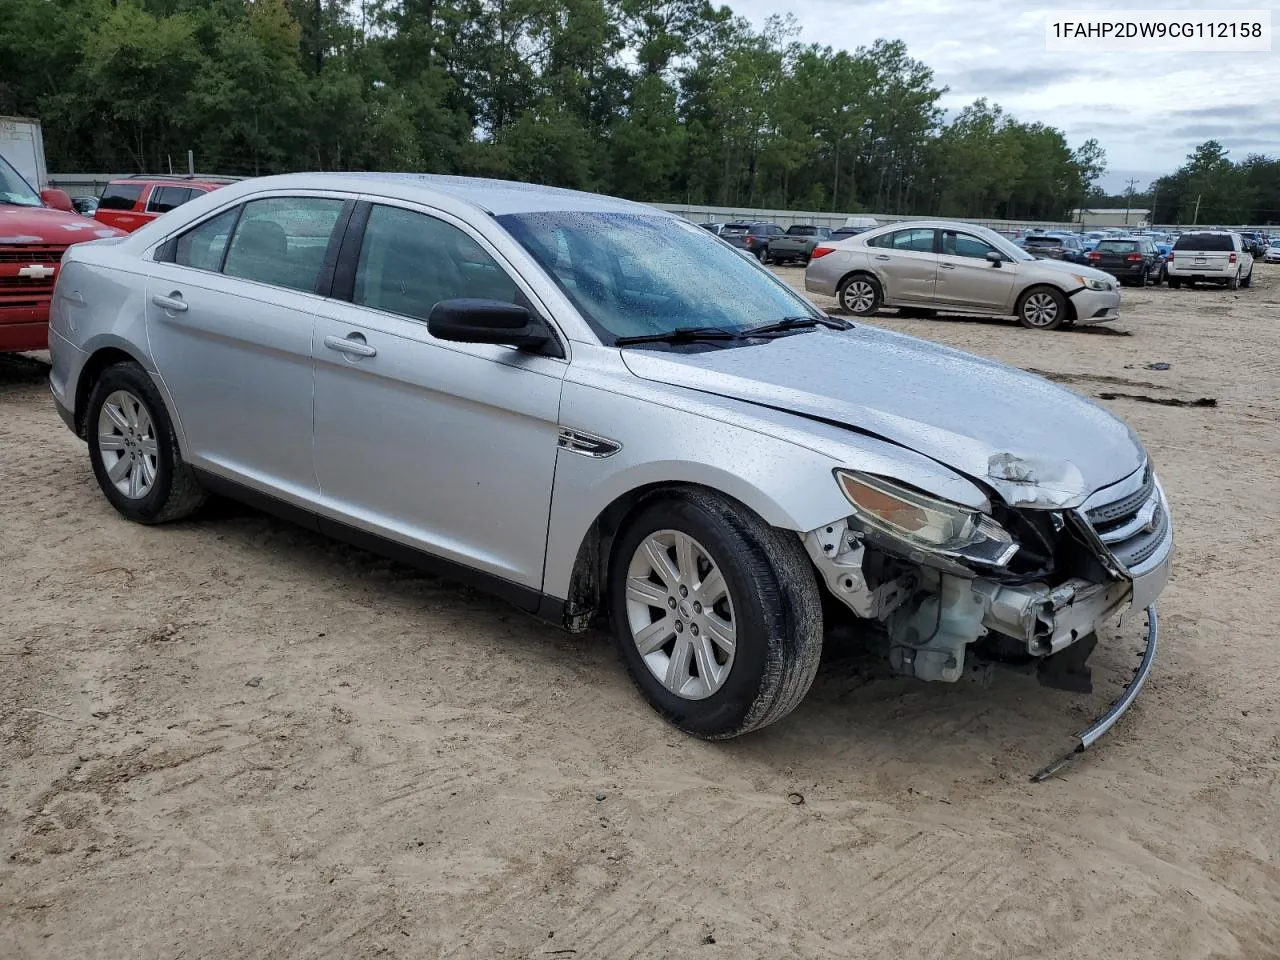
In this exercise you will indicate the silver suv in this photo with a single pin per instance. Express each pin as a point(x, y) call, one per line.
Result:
point(593, 407)
point(926, 266)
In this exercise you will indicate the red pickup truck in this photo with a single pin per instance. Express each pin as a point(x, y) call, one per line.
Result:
point(35, 229)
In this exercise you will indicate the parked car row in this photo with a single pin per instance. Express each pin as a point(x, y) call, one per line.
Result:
point(595, 408)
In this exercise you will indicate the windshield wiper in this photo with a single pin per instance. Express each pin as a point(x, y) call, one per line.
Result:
point(679, 335)
point(794, 323)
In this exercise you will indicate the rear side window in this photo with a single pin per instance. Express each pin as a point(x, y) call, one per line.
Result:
point(120, 196)
point(282, 241)
point(736, 228)
point(203, 247)
point(917, 240)
point(164, 199)
point(409, 262)
point(1117, 246)
point(1204, 241)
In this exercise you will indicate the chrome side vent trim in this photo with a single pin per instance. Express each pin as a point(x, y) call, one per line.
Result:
point(587, 444)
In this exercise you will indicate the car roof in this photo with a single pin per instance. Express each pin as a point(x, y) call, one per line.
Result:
point(494, 197)
point(176, 180)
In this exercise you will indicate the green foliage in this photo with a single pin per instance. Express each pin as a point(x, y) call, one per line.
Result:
point(672, 100)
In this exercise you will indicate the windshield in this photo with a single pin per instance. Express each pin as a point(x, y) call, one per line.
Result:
point(13, 189)
point(637, 275)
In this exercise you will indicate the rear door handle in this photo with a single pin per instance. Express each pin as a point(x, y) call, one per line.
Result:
point(947, 266)
point(353, 344)
point(883, 256)
point(172, 302)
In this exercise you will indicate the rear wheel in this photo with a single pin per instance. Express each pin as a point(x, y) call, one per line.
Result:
point(860, 294)
point(716, 615)
point(1233, 283)
point(1174, 283)
point(1248, 281)
point(133, 449)
point(1043, 308)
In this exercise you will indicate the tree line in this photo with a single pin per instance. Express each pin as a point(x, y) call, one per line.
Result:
point(657, 100)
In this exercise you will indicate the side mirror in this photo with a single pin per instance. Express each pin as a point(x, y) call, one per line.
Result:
point(466, 320)
point(994, 258)
point(58, 200)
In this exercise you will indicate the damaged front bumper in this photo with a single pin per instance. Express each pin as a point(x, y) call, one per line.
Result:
point(933, 608)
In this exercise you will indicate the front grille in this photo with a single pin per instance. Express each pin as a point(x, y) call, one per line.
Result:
point(50, 254)
point(1133, 526)
point(15, 259)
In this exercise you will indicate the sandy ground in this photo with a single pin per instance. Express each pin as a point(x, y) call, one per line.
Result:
point(263, 744)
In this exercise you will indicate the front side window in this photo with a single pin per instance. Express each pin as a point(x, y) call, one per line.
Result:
point(164, 199)
point(635, 275)
point(203, 247)
point(282, 241)
point(963, 245)
point(410, 261)
point(120, 196)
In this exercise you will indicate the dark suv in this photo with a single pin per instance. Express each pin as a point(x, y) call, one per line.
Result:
point(1129, 259)
point(752, 237)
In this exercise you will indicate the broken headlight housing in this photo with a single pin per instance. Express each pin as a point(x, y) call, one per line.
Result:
point(921, 525)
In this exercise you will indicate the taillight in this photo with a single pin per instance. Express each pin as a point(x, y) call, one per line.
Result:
point(1094, 255)
point(1231, 259)
point(750, 239)
point(1134, 257)
point(1170, 255)
point(820, 252)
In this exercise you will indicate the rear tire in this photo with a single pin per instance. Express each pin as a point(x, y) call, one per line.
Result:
point(1233, 283)
point(761, 595)
point(134, 451)
point(1043, 308)
point(1174, 283)
point(860, 294)
point(1247, 281)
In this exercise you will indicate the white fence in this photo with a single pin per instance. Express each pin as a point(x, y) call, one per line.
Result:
point(92, 184)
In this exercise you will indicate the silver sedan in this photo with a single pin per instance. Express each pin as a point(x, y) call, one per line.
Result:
point(599, 411)
point(926, 266)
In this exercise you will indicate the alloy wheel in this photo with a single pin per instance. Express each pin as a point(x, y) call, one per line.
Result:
point(1040, 310)
point(859, 296)
point(680, 614)
point(127, 442)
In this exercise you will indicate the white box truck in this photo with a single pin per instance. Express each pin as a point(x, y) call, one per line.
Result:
point(23, 146)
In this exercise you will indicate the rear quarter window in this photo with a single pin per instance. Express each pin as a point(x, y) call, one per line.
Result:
point(120, 196)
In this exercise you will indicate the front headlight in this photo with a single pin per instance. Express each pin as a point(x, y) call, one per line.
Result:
point(1093, 284)
point(920, 522)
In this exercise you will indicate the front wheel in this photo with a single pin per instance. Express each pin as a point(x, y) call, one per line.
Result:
point(133, 449)
point(1043, 308)
point(860, 294)
point(716, 615)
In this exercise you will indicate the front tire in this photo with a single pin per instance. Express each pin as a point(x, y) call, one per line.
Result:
point(717, 616)
point(860, 294)
point(134, 451)
point(1043, 308)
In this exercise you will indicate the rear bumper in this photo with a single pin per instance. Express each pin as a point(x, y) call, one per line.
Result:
point(1202, 273)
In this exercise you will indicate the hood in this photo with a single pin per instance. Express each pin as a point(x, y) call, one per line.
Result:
point(1075, 269)
point(46, 225)
point(1033, 442)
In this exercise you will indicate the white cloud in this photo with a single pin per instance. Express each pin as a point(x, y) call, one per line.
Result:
point(1148, 110)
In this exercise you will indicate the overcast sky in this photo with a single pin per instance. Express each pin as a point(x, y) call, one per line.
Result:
point(1148, 110)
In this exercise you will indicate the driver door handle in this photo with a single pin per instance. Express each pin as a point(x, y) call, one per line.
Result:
point(947, 266)
point(353, 344)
